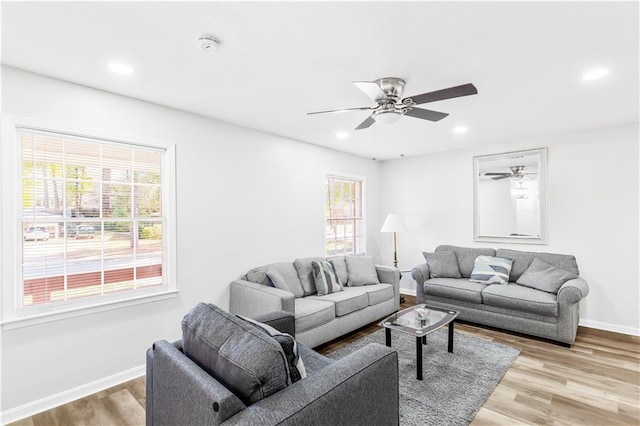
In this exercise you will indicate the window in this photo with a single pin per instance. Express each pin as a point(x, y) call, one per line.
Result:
point(344, 224)
point(92, 222)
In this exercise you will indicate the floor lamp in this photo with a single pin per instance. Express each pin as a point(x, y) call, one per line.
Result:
point(394, 223)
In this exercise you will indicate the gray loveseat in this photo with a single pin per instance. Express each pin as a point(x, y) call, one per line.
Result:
point(318, 319)
point(512, 307)
point(359, 389)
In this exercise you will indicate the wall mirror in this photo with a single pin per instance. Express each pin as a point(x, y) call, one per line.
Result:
point(510, 197)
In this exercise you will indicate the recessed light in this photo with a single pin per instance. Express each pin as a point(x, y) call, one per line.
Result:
point(120, 68)
point(342, 135)
point(460, 129)
point(595, 74)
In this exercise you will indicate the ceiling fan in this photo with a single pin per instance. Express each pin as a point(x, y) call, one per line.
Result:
point(517, 172)
point(387, 93)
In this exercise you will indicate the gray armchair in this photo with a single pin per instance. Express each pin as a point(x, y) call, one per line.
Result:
point(359, 389)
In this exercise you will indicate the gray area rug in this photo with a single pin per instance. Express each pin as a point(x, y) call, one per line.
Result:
point(455, 385)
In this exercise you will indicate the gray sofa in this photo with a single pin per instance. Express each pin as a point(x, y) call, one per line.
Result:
point(359, 389)
point(512, 307)
point(318, 319)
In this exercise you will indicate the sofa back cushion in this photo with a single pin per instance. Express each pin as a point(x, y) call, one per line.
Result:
point(522, 260)
point(287, 272)
point(361, 270)
point(245, 360)
point(467, 256)
point(305, 273)
point(341, 269)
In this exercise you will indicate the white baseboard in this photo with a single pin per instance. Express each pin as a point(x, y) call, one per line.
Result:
point(64, 397)
point(409, 291)
point(610, 327)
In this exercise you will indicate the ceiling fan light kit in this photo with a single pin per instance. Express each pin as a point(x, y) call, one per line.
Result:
point(387, 93)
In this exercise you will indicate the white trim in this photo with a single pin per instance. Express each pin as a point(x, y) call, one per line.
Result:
point(64, 397)
point(86, 310)
point(365, 213)
point(407, 291)
point(12, 315)
point(616, 328)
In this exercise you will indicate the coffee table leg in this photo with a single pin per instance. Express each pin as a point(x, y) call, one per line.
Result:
point(451, 336)
point(419, 358)
point(387, 336)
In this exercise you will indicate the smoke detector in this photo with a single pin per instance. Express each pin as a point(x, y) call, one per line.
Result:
point(208, 43)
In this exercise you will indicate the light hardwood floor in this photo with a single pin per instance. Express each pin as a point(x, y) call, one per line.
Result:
point(595, 382)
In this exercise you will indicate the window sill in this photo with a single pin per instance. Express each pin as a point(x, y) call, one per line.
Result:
point(42, 318)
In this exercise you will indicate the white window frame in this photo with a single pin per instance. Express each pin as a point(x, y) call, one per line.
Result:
point(347, 176)
point(13, 316)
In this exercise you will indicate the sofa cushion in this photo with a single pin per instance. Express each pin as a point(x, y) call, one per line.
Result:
point(467, 256)
point(522, 260)
point(442, 265)
point(376, 293)
point(542, 276)
point(345, 301)
point(313, 361)
point(361, 270)
point(520, 298)
point(286, 269)
point(311, 313)
point(279, 281)
point(341, 268)
point(491, 270)
point(454, 288)
point(305, 273)
point(246, 361)
point(288, 344)
point(325, 278)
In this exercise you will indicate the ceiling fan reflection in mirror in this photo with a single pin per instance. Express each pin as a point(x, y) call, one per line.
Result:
point(516, 173)
point(387, 93)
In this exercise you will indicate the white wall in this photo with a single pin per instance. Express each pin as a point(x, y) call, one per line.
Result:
point(245, 198)
point(592, 212)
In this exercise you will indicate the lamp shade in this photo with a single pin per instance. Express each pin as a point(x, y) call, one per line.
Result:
point(393, 223)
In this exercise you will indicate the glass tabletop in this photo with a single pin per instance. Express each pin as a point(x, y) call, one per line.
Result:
point(419, 320)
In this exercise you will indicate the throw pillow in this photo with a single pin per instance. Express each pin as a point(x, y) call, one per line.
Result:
point(249, 363)
point(325, 277)
point(542, 276)
point(361, 270)
point(491, 270)
point(278, 281)
point(340, 266)
point(442, 265)
point(297, 370)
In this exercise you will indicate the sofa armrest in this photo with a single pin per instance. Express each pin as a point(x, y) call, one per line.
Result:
point(282, 321)
point(390, 275)
point(365, 381)
point(251, 299)
point(180, 392)
point(420, 274)
point(573, 291)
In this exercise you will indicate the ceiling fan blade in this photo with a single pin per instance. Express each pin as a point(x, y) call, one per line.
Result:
point(366, 123)
point(438, 95)
point(501, 177)
point(497, 174)
point(425, 114)
point(371, 89)
point(341, 110)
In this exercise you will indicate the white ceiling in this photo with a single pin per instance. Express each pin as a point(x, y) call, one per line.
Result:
point(278, 61)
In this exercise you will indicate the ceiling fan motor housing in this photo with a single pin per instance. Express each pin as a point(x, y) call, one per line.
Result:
point(392, 87)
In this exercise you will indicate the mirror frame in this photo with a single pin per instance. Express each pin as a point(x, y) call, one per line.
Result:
point(541, 153)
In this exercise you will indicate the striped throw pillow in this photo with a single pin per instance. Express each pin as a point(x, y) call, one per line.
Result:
point(491, 270)
point(325, 278)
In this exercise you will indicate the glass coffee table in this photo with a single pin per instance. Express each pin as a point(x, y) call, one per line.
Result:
point(406, 321)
